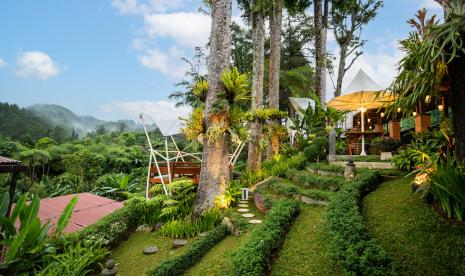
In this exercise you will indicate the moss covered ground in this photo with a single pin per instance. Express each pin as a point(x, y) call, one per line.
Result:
point(415, 236)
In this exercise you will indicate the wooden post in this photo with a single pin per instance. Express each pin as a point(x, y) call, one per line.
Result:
point(14, 178)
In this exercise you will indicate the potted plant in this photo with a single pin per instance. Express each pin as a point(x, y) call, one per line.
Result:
point(385, 144)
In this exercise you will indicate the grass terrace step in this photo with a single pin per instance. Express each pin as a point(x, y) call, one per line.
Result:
point(286, 187)
point(307, 179)
point(303, 250)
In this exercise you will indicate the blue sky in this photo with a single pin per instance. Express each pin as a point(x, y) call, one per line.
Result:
point(115, 58)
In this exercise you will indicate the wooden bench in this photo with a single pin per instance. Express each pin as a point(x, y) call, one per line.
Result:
point(177, 170)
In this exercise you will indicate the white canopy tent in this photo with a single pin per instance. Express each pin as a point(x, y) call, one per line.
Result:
point(361, 94)
point(297, 104)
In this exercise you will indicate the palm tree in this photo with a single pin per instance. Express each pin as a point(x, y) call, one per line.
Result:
point(214, 175)
point(32, 158)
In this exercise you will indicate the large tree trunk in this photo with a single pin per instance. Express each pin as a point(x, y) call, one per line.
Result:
point(275, 63)
point(214, 175)
point(341, 70)
point(321, 26)
point(457, 88)
point(254, 158)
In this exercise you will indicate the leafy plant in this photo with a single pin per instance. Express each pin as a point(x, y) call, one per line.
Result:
point(117, 186)
point(447, 185)
point(76, 260)
point(25, 247)
point(188, 227)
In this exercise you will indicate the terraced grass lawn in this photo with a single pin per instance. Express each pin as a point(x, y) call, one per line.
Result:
point(216, 261)
point(419, 240)
point(303, 251)
point(131, 261)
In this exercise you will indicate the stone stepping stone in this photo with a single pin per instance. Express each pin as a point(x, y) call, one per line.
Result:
point(243, 205)
point(179, 243)
point(248, 215)
point(244, 201)
point(255, 221)
point(203, 234)
point(243, 210)
point(150, 250)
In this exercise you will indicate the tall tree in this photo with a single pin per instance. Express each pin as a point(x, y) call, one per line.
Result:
point(214, 175)
point(276, 12)
point(255, 11)
point(320, 17)
point(348, 18)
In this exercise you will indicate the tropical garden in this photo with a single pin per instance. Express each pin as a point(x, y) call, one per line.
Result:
point(298, 206)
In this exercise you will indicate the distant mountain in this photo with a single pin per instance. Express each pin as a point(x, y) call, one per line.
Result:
point(59, 116)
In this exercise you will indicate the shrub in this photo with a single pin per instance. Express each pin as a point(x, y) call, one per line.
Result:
point(109, 230)
point(188, 228)
point(309, 180)
point(177, 265)
point(253, 257)
point(317, 150)
point(350, 246)
point(326, 167)
point(290, 190)
point(76, 260)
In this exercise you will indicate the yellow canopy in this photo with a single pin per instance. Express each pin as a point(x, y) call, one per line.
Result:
point(360, 93)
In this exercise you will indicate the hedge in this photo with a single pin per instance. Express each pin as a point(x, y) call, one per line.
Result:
point(310, 180)
point(177, 265)
point(254, 256)
point(350, 246)
point(109, 230)
point(326, 167)
point(290, 190)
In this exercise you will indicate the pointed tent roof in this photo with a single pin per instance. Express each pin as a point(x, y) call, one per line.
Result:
point(360, 92)
point(362, 83)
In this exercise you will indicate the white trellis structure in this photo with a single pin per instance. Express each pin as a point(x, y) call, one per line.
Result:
point(169, 156)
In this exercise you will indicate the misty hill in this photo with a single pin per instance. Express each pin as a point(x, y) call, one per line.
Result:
point(54, 121)
point(57, 115)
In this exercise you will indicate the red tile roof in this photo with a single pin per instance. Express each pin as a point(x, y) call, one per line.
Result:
point(88, 210)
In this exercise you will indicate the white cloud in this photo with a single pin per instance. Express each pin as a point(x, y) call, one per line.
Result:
point(37, 65)
point(431, 4)
point(188, 29)
point(168, 63)
point(2, 63)
point(163, 113)
point(145, 7)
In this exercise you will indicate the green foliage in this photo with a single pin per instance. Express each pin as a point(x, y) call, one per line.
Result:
point(109, 230)
point(265, 114)
point(189, 228)
point(253, 257)
point(25, 248)
point(447, 185)
point(117, 186)
point(350, 246)
point(317, 149)
point(326, 167)
point(76, 260)
point(282, 187)
point(309, 180)
point(177, 265)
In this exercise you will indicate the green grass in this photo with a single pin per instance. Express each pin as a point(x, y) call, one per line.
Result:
point(131, 260)
point(216, 261)
point(303, 250)
point(418, 240)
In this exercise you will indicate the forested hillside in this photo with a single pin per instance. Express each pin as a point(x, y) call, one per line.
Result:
point(56, 122)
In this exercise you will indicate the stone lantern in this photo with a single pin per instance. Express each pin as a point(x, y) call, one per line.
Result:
point(110, 268)
point(349, 172)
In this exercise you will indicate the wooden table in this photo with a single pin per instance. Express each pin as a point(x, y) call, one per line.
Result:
point(354, 136)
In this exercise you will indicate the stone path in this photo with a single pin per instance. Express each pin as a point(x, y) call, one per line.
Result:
point(245, 212)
